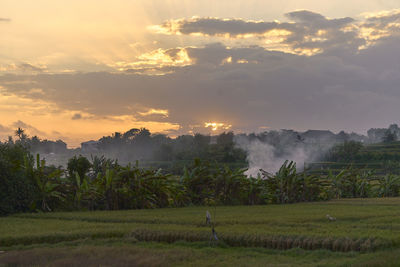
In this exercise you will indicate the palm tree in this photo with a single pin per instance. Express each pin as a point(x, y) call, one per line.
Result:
point(20, 133)
point(84, 191)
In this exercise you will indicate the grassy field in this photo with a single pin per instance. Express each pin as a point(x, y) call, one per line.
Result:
point(365, 231)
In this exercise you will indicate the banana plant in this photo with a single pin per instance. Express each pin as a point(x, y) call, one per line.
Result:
point(255, 191)
point(107, 188)
point(284, 185)
point(337, 183)
point(229, 184)
point(84, 191)
point(47, 185)
point(199, 181)
point(388, 186)
point(311, 187)
point(364, 186)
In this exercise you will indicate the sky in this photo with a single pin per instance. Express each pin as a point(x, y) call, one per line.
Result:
point(80, 70)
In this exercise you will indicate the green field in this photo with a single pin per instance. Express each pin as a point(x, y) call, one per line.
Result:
point(365, 231)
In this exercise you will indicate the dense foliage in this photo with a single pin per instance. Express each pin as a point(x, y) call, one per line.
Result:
point(17, 188)
point(27, 184)
point(140, 144)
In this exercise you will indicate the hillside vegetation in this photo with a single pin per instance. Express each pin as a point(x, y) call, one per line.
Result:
point(379, 158)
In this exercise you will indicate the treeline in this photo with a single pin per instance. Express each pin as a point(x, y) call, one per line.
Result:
point(356, 152)
point(140, 144)
point(28, 184)
point(38, 145)
point(172, 154)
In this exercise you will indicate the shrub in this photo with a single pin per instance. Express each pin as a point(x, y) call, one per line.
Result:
point(17, 190)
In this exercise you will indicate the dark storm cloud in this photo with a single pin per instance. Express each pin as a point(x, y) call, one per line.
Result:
point(316, 31)
point(248, 87)
point(272, 88)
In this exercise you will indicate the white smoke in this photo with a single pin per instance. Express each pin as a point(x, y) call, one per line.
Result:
point(261, 155)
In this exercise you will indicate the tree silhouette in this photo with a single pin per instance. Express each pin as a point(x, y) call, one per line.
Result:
point(389, 137)
point(20, 133)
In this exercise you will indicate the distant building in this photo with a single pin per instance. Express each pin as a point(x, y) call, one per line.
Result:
point(90, 146)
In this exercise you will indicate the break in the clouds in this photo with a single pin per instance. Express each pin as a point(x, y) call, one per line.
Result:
point(309, 71)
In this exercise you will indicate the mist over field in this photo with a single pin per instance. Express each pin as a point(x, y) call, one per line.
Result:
point(267, 150)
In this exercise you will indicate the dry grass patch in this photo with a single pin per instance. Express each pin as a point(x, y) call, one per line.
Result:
point(92, 256)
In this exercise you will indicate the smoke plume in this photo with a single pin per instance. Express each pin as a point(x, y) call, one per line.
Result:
point(263, 155)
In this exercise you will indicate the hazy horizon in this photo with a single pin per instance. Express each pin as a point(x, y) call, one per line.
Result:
point(212, 133)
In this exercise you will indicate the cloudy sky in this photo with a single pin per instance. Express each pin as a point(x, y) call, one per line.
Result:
point(78, 70)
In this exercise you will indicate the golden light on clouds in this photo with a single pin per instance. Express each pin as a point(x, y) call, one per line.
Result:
point(176, 27)
point(307, 51)
point(215, 126)
point(162, 57)
point(372, 34)
point(162, 112)
point(242, 61)
point(227, 60)
point(155, 60)
point(380, 14)
point(168, 28)
point(378, 25)
point(277, 34)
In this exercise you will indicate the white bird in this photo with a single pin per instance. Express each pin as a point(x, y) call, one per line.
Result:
point(330, 218)
point(208, 218)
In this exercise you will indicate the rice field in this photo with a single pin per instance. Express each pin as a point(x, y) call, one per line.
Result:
point(361, 227)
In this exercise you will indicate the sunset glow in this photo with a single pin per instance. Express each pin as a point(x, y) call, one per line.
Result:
point(88, 69)
point(217, 126)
